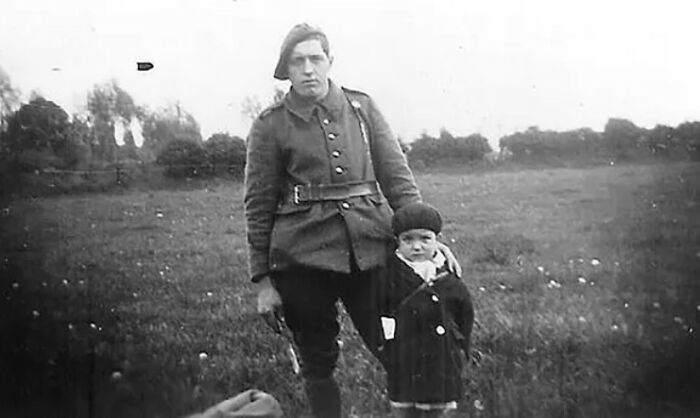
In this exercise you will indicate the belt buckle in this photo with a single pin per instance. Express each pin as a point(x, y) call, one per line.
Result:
point(296, 194)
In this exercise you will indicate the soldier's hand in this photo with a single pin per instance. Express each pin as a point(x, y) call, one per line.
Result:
point(251, 403)
point(270, 304)
point(452, 263)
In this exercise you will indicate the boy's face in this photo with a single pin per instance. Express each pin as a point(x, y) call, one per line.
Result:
point(418, 244)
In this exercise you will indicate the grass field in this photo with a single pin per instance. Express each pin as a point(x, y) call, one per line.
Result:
point(586, 284)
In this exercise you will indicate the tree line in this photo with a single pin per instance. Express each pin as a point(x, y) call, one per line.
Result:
point(40, 135)
point(621, 140)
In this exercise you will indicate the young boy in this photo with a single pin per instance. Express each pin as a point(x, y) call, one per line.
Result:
point(427, 318)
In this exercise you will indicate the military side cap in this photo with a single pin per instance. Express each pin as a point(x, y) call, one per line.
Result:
point(417, 215)
point(299, 33)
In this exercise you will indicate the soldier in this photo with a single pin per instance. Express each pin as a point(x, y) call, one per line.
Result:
point(323, 173)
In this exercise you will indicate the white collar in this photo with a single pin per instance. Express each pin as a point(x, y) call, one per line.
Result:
point(427, 269)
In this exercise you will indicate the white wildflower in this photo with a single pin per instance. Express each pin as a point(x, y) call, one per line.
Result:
point(482, 288)
point(210, 294)
point(553, 284)
point(35, 313)
point(64, 282)
point(614, 327)
point(540, 269)
point(116, 375)
point(479, 405)
point(581, 319)
point(203, 356)
point(595, 262)
point(657, 305)
point(15, 285)
point(678, 320)
point(582, 280)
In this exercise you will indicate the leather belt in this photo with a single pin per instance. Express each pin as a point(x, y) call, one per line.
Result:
point(302, 193)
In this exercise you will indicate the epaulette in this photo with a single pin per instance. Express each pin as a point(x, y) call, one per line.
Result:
point(351, 91)
point(354, 95)
point(270, 109)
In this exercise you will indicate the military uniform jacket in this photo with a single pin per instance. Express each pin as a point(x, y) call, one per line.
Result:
point(433, 323)
point(296, 142)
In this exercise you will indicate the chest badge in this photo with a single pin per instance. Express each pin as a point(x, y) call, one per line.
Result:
point(355, 104)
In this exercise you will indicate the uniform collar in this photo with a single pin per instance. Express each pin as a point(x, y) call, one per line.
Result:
point(332, 103)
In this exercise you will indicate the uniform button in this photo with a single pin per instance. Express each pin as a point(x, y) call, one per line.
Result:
point(326, 121)
point(435, 298)
point(345, 205)
point(339, 170)
point(440, 330)
point(332, 136)
point(335, 154)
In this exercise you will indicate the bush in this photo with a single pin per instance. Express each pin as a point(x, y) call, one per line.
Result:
point(621, 139)
point(184, 158)
point(30, 160)
point(534, 145)
point(447, 149)
point(228, 151)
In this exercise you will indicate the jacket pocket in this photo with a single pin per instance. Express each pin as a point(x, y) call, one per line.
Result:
point(289, 208)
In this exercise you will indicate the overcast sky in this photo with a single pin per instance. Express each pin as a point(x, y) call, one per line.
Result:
point(493, 67)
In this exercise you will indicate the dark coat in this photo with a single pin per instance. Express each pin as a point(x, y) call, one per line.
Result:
point(433, 323)
point(296, 142)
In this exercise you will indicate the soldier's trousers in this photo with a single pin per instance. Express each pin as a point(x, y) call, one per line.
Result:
point(309, 299)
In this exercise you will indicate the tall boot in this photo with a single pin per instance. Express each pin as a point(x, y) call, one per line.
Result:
point(324, 397)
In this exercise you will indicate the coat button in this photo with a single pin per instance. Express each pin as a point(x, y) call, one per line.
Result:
point(335, 154)
point(326, 121)
point(339, 170)
point(332, 136)
point(440, 330)
point(435, 298)
point(345, 205)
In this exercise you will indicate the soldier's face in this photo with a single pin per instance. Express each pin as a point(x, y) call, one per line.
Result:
point(308, 69)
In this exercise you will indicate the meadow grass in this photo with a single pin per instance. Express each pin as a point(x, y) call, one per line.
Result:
point(585, 283)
